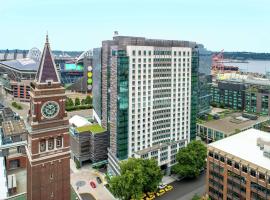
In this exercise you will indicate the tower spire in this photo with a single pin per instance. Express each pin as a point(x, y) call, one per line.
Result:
point(47, 71)
point(47, 37)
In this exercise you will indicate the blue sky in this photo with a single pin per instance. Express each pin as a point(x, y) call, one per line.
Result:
point(232, 25)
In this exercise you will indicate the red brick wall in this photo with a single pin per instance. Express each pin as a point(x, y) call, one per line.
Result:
point(22, 161)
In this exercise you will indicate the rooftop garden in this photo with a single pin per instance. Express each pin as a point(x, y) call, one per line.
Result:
point(209, 117)
point(94, 128)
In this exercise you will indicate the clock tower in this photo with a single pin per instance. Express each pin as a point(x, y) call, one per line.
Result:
point(48, 149)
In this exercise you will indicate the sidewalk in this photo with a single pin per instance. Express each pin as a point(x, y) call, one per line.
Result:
point(168, 179)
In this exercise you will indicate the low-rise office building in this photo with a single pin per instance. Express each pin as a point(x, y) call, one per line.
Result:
point(88, 142)
point(238, 167)
point(217, 129)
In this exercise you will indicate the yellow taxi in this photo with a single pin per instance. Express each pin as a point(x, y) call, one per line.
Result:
point(168, 188)
point(160, 192)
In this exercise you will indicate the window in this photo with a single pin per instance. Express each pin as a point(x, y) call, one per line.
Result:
point(244, 169)
point(261, 176)
point(139, 53)
point(42, 145)
point(252, 172)
point(236, 165)
point(133, 52)
point(51, 176)
point(59, 142)
point(51, 143)
point(221, 159)
point(216, 156)
point(229, 162)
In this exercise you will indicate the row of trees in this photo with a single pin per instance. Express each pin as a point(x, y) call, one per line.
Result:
point(137, 176)
point(79, 104)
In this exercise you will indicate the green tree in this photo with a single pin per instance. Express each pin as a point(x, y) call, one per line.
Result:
point(191, 160)
point(88, 100)
point(77, 101)
point(69, 102)
point(152, 175)
point(137, 176)
point(196, 197)
point(83, 102)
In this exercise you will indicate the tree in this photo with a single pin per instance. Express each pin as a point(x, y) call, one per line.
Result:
point(69, 102)
point(196, 197)
point(137, 176)
point(83, 102)
point(152, 173)
point(77, 101)
point(191, 160)
point(88, 100)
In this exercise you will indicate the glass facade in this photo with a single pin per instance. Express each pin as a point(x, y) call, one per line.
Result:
point(194, 93)
point(122, 104)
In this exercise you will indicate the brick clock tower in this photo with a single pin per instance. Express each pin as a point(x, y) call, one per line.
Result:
point(48, 152)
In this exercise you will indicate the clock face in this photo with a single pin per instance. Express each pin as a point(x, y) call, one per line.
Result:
point(50, 109)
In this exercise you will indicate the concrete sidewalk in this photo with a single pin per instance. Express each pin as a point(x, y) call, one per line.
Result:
point(168, 179)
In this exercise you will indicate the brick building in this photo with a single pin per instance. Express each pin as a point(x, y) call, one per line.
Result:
point(238, 167)
point(14, 131)
point(48, 152)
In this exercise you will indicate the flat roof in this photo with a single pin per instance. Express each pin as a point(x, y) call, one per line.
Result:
point(229, 124)
point(13, 127)
point(244, 146)
point(94, 128)
point(78, 121)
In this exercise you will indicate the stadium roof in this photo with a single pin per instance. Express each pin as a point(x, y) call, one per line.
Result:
point(25, 64)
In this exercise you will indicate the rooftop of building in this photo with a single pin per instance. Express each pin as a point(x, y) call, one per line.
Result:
point(243, 79)
point(13, 127)
point(244, 146)
point(24, 64)
point(7, 112)
point(232, 122)
point(78, 121)
point(142, 41)
point(93, 128)
point(157, 147)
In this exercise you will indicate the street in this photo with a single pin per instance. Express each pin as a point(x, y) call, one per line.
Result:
point(186, 189)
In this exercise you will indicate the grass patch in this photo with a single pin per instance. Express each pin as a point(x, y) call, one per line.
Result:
point(16, 105)
point(95, 128)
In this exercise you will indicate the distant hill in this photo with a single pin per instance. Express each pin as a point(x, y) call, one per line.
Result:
point(246, 56)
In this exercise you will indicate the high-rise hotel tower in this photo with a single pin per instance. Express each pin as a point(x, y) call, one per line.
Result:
point(147, 88)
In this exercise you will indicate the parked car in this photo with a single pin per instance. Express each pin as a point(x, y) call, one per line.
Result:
point(160, 192)
point(168, 188)
point(93, 185)
point(99, 180)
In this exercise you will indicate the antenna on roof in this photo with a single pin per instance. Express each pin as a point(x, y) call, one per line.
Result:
point(115, 33)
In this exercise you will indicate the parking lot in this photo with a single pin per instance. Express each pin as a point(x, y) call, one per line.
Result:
point(81, 181)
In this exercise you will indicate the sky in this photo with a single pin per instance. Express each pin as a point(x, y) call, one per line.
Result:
point(232, 25)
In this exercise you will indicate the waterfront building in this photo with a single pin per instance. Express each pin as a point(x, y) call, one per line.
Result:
point(238, 167)
point(147, 106)
point(248, 94)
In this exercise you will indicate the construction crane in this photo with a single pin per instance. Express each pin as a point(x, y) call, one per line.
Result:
point(217, 62)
